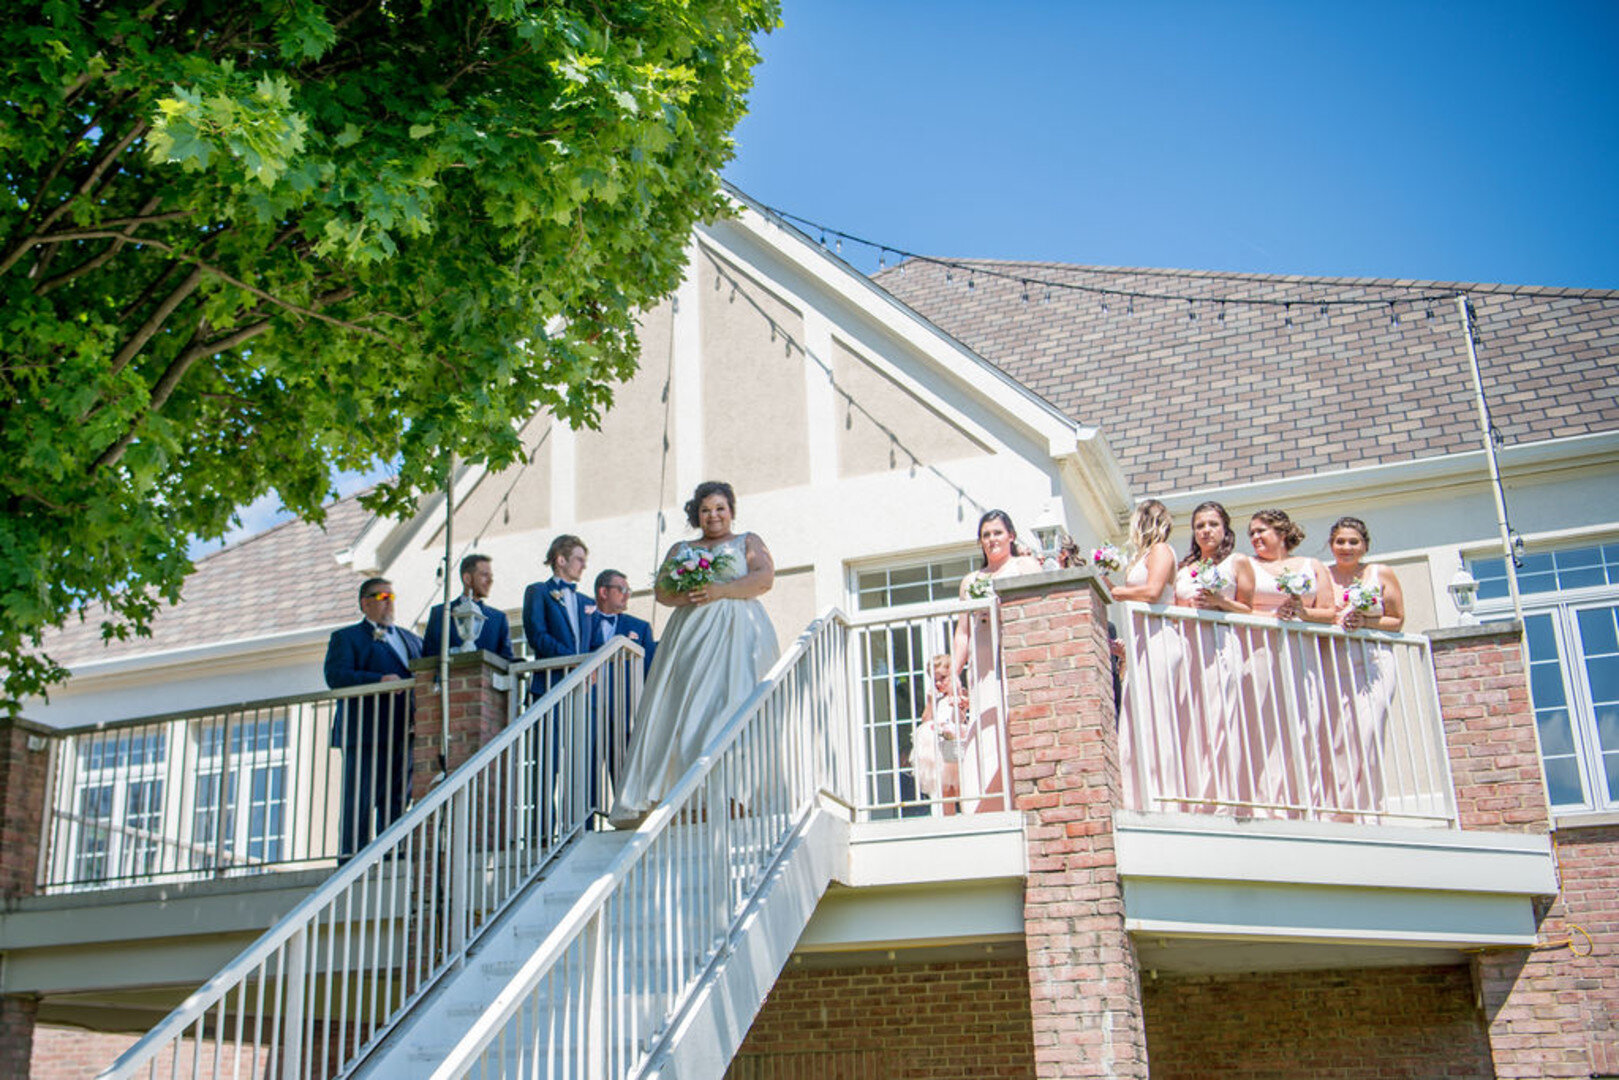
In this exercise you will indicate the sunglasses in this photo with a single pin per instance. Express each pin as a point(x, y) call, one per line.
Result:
point(380, 596)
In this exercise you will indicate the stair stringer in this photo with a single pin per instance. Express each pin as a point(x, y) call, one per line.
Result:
point(710, 1028)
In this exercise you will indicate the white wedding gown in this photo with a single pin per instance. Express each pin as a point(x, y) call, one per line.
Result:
point(709, 659)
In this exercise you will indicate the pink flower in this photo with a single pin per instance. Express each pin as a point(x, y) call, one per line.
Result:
point(703, 563)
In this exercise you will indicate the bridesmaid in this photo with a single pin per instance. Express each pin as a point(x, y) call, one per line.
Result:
point(1214, 651)
point(1284, 760)
point(977, 649)
point(1155, 733)
point(1362, 670)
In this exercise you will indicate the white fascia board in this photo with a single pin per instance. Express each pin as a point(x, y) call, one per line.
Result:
point(1341, 915)
point(893, 918)
point(859, 292)
point(1517, 461)
point(1328, 854)
point(212, 652)
point(930, 850)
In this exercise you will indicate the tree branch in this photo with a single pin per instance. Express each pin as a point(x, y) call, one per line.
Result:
point(148, 329)
point(52, 284)
point(89, 183)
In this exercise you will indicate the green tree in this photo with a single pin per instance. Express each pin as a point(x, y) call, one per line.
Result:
point(246, 242)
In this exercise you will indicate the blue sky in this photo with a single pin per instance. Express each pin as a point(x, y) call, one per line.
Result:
point(1473, 142)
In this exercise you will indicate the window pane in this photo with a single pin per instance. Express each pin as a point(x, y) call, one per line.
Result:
point(1563, 783)
point(1597, 631)
point(1537, 583)
point(1602, 674)
point(1591, 556)
point(1546, 685)
point(1556, 733)
point(1542, 637)
point(1536, 563)
point(1581, 578)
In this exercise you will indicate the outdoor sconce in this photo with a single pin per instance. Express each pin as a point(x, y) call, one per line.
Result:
point(1463, 589)
point(469, 620)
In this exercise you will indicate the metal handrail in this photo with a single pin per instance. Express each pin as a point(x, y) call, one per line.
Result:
point(254, 705)
point(715, 827)
point(424, 856)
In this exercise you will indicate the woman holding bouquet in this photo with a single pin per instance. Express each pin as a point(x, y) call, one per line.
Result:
point(1284, 729)
point(977, 649)
point(1362, 671)
point(716, 647)
point(1157, 740)
point(1214, 576)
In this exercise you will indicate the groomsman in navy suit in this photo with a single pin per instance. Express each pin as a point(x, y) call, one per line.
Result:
point(605, 621)
point(373, 731)
point(477, 578)
point(609, 619)
point(553, 611)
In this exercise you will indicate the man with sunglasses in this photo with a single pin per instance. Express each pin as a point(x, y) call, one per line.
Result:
point(373, 731)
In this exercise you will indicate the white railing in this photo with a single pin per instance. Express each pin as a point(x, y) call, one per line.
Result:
point(1246, 715)
point(319, 989)
point(229, 790)
point(610, 981)
point(924, 749)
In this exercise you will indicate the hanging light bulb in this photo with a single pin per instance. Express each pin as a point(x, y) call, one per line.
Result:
point(839, 245)
point(1191, 311)
point(823, 239)
point(1325, 311)
point(1287, 314)
point(971, 282)
point(882, 259)
point(1221, 313)
point(1104, 305)
point(1394, 314)
point(1048, 294)
point(1130, 306)
point(1430, 313)
point(949, 275)
point(1025, 292)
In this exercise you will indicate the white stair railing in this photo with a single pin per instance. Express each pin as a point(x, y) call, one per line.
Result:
point(1237, 714)
point(603, 991)
point(324, 985)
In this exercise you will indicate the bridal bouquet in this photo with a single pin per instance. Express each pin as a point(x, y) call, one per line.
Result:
point(692, 568)
point(980, 586)
point(1208, 577)
point(1109, 558)
point(1295, 582)
point(1363, 597)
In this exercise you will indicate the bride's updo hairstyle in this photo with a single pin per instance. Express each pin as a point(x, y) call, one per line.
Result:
point(1292, 534)
point(704, 490)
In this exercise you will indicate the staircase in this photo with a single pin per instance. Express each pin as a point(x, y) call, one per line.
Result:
point(487, 931)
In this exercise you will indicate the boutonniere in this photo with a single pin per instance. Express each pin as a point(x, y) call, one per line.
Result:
point(590, 609)
point(379, 633)
point(558, 594)
point(635, 635)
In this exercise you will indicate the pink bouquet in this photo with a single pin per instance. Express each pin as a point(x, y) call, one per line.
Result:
point(1296, 582)
point(1208, 577)
point(691, 568)
point(1363, 597)
point(1108, 558)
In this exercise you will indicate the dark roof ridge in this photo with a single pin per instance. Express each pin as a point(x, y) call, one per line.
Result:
point(1273, 279)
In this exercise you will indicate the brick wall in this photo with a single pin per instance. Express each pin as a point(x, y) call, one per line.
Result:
point(1362, 1024)
point(1086, 996)
point(1586, 917)
point(941, 1021)
point(1490, 728)
point(23, 777)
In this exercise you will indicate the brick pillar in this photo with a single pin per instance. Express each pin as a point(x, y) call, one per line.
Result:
point(24, 773)
point(1083, 980)
point(1490, 728)
point(478, 682)
point(1532, 1018)
point(17, 1034)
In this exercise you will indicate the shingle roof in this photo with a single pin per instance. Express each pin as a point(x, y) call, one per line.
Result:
point(1197, 402)
point(282, 579)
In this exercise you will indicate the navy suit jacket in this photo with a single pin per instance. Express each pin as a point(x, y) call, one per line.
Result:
point(545, 621)
point(354, 657)
point(627, 626)
point(495, 637)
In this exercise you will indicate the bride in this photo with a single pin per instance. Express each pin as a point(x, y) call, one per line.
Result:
point(718, 645)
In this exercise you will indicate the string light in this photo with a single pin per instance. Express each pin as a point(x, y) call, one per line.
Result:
point(1394, 314)
point(971, 281)
point(1191, 310)
point(1221, 313)
point(903, 256)
point(1025, 292)
point(1104, 305)
point(1287, 314)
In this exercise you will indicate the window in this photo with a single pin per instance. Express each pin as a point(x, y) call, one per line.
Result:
point(918, 583)
point(257, 764)
point(1571, 625)
point(119, 805)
